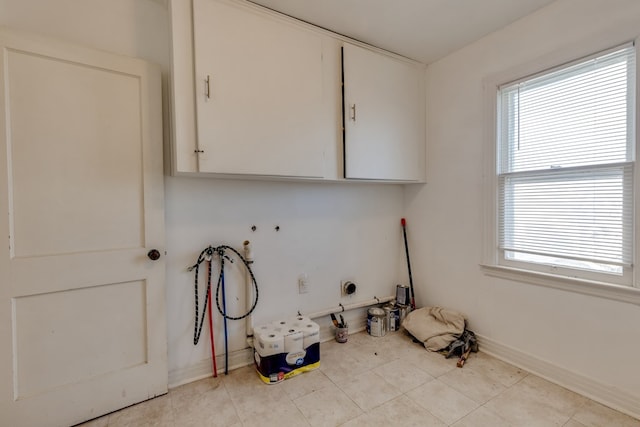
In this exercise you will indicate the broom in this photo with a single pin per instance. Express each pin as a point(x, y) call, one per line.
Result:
point(406, 250)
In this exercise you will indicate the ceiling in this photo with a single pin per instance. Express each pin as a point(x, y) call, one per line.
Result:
point(424, 30)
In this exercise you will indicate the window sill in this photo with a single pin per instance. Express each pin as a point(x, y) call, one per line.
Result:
point(620, 293)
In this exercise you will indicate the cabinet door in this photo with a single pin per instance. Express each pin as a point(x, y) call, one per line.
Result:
point(383, 117)
point(261, 111)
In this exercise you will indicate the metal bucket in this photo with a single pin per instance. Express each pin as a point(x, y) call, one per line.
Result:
point(376, 322)
point(404, 310)
point(393, 317)
point(403, 295)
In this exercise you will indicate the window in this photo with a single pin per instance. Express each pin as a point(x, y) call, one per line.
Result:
point(565, 159)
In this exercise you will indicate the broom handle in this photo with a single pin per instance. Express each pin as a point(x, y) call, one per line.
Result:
point(406, 250)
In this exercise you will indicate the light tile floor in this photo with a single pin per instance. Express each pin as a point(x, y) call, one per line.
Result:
point(369, 381)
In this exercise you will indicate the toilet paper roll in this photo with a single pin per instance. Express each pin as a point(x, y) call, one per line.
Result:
point(311, 334)
point(293, 341)
point(263, 328)
point(282, 323)
point(269, 343)
point(299, 321)
point(281, 326)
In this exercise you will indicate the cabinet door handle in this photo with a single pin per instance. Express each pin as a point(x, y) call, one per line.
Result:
point(206, 87)
point(353, 112)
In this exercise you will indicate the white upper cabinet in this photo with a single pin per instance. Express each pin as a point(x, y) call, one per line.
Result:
point(384, 117)
point(259, 94)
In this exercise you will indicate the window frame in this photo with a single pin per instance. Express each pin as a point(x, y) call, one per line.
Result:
point(556, 277)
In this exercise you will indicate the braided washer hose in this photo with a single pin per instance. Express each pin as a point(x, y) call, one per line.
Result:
point(207, 255)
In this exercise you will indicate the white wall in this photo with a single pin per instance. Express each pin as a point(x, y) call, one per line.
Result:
point(129, 27)
point(328, 231)
point(579, 337)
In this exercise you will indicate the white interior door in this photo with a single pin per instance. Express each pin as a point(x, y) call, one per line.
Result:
point(82, 315)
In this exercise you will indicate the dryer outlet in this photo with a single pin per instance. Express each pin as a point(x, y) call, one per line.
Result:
point(347, 288)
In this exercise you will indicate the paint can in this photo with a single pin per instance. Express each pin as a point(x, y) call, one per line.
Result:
point(403, 295)
point(376, 322)
point(404, 310)
point(393, 317)
point(342, 334)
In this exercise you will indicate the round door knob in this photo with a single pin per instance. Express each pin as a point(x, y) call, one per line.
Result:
point(154, 254)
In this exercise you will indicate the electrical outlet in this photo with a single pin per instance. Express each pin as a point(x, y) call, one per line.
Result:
point(347, 287)
point(303, 284)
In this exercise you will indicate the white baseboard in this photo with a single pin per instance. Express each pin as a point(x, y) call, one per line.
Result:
point(203, 368)
point(612, 397)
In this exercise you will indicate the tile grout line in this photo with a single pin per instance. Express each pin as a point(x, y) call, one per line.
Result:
point(235, 407)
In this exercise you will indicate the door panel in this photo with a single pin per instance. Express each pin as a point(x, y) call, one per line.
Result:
point(47, 220)
point(82, 315)
point(102, 335)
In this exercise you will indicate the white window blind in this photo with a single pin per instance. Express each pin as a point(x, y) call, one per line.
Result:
point(565, 166)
